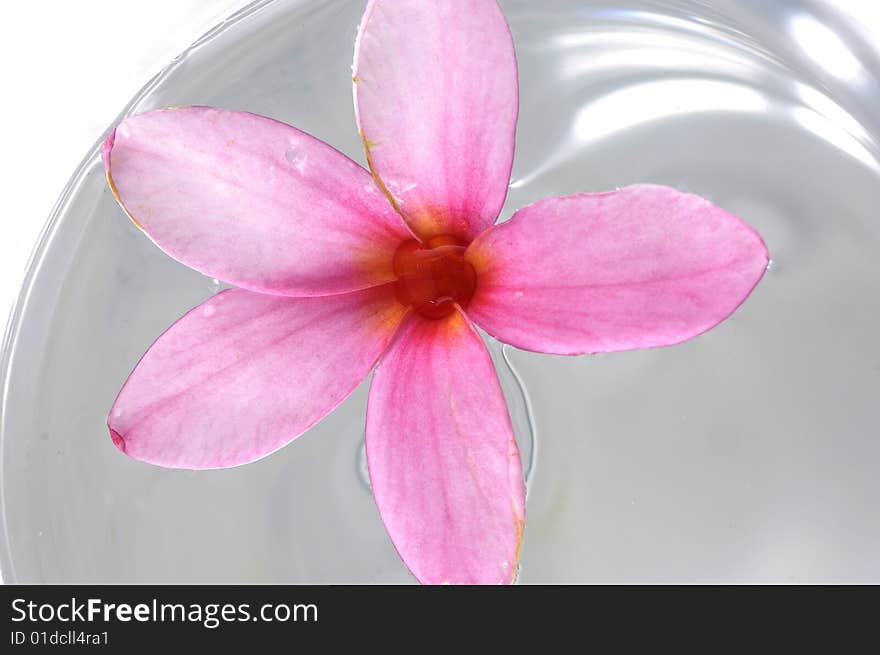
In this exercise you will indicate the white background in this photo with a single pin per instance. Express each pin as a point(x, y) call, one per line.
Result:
point(68, 68)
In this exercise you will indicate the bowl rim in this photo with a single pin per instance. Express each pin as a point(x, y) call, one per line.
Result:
point(16, 317)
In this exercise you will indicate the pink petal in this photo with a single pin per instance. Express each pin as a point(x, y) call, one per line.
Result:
point(436, 101)
point(641, 267)
point(252, 201)
point(244, 373)
point(443, 461)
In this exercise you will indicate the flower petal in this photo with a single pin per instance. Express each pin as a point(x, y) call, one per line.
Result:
point(252, 201)
point(641, 267)
point(443, 461)
point(244, 373)
point(436, 97)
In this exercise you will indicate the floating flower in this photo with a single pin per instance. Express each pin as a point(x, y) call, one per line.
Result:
point(339, 269)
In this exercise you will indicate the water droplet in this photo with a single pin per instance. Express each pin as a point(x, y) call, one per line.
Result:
point(296, 158)
point(397, 187)
point(209, 311)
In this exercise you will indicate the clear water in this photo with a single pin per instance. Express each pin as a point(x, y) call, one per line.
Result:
point(748, 454)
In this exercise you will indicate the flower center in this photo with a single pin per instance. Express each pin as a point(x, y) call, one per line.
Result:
point(433, 277)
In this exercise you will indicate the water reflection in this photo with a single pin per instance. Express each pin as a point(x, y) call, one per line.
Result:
point(651, 101)
point(821, 44)
point(834, 134)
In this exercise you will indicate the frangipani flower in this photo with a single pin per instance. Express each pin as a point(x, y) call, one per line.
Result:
point(340, 270)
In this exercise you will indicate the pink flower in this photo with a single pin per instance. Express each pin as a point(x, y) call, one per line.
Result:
point(340, 271)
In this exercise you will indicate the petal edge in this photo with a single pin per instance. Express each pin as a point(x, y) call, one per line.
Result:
point(252, 201)
point(439, 145)
point(642, 267)
point(242, 374)
point(443, 460)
